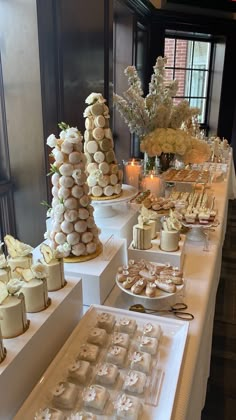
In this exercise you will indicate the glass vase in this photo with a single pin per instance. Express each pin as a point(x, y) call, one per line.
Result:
point(150, 164)
point(166, 161)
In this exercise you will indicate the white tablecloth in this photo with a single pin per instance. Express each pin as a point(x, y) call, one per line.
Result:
point(201, 272)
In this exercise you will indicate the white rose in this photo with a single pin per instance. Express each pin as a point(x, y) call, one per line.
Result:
point(52, 141)
point(3, 261)
point(13, 286)
point(94, 97)
point(39, 271)
point(73, 135)
point(59, 209)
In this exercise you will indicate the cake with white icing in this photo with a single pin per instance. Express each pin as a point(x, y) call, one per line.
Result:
point(142, 234)
point(79, 371)
point(73, 231)
point(54, 265)
point(95, 397)
point(49, 413)
point(13, 319)
point(104, 176)
point(134, 382)
point(128, 407)
point(106, 373)
point(65, 395)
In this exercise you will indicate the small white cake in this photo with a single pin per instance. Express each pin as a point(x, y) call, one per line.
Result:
point(106, 321)
point(106, 374)
point(49, 413)
point(88, 352)
point(152, 330)
point(128, 407)
point(148, 344)
point(97, 336)
point(82, 415)
point(13, 316)
point(134, 382)
point(36, 295)
point(79, 371)
point(127, 325)
point(95, 397)
point(64, 395)
point(120, 339)
point(116, 355)
point(141, 361)
point(142, 237)
point(55, 274)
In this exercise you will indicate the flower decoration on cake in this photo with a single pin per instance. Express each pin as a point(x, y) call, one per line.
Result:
point(102, 370)
point(137, 357)
point(147, 328)
point(89, 394)
point(131, 378)
point(75, 366)
point(15, 248)
point(3, 261)
point(10, 288)
point(124, 403)
point(155, 118)
point(104, 176)
point(58, 390)
point(73, 231)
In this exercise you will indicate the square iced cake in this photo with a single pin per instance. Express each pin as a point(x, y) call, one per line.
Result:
point(134, 382)
point(97, 336)
point(148, 344)
point(127, 325)
point(106, 321)
point(64, 395)
point(49, 413)
point(79, 371)
point(106, 373)
point(95, 396)
point(128, 407)
point(140, 361)
point(82, 415)
point(152, 330)
point(120, 339)
point(88, 352)
point(116, 355)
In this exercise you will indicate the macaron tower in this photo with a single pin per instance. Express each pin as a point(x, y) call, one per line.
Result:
point(104, 177)
point(73, 231)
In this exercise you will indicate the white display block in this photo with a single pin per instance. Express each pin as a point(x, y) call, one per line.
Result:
point(155, 254)
point(121, 224)
point(29, 354)
point(98, 275)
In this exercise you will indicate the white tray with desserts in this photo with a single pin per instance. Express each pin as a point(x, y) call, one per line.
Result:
point(157, 371)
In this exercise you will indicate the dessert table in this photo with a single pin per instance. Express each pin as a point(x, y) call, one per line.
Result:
point(201, 273)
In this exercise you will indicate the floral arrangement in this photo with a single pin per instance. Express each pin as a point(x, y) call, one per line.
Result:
point(155, 118)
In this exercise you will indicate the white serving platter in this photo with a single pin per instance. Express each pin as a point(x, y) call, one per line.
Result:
point(170, 356)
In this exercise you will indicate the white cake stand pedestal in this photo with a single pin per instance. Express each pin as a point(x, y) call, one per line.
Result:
point(105, 208)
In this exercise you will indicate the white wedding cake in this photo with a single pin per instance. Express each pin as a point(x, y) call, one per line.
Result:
point(73, 230)
point(104, 176)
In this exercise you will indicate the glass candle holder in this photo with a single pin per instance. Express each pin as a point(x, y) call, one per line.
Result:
point(154, 184)
point(133, 169)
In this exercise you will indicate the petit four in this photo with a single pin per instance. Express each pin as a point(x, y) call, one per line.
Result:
point(152, 330)
point(88, 352)
point(106, 373)
point(97, 336)
point(120, 339)
point(79, 371)
point(128, 407)
point(148, 344)
point(95, 396)
point(140, 361)
point(127, 325)
point(134, 382)
point(116, 355)
point(64, 395)
point(106, 321)
point(49, 413)
point(82, 415)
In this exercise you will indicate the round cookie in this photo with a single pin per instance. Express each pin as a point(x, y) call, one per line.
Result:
point(92, 181)
point(114, 168)
point(108, 133)
point(89, 124)
point(113, 179)
point(88, 135)
point(117, 188)
point(97, 109)
point(109, 190)
point(104, 181)
point(105, 145)
point(92, 147)
point(98, 133)
point(97, 191)
point(91, 167)
point(104, 167)
point(100, 121)
point(110, 156)
point(99, 157)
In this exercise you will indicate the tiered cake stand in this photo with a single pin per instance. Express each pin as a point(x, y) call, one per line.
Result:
point(105, 208)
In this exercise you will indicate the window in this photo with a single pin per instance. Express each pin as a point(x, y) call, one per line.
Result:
point(188, 61)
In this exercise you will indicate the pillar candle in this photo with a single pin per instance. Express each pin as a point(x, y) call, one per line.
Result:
point(133, 172)
point(153, 183)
